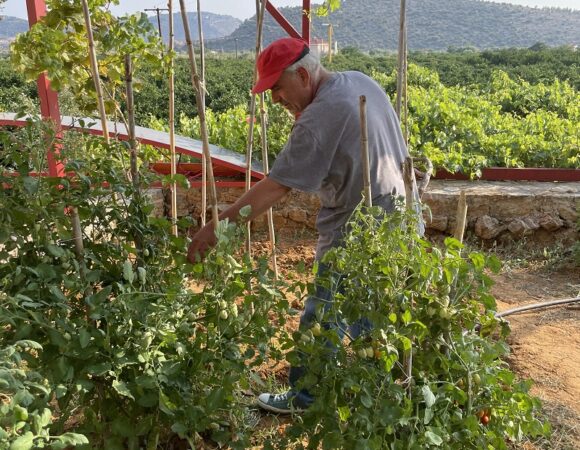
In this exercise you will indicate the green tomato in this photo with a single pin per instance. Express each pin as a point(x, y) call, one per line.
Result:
point(370, 352)
point(223, 314)
point(20, 413)
point(444, 313)
point(316, 329)
point(362, 353)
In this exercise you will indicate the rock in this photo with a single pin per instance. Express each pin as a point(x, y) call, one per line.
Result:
point(551, 222)
point(488, 227)
point(517, 227)
point(523, 226)
point(438, 223)
point(298, 215)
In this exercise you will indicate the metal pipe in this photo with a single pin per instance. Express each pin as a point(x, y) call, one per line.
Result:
point(536, 306)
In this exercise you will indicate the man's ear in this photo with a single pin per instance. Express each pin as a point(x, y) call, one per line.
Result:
point(304, 76)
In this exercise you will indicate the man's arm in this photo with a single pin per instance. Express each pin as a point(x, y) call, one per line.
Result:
point(260, 197)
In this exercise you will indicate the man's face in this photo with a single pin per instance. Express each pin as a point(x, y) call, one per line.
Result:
point(293, 91)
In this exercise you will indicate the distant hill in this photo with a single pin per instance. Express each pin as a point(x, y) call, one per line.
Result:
point(11, 26)
point(432, 24)
point(214, 26)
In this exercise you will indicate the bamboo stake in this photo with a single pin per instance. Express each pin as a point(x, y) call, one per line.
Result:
point(133, 146)
point(401, 57)
point(202, 80)
point(266, 169)
point(95, 70)
point(408, 178)
point(201, 113)
point(405, 100)
point(172, 120)
point(461, 217)
point(365, 151)
point(131, 121)
point(250, 143)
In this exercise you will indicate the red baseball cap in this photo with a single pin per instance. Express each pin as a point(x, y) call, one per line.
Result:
point(276, 58)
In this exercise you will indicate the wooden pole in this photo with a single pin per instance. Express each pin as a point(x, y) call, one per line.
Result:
point(266, 169)
point(401, 57)
point(252, 113)
point(405, 103)
point(330, 33)
point(408, 178)
point(461, 217)
point(95, 70)
point(172, 120)
point(202, 80)
point(365, 151)
point(131, 121)
point(201, 113)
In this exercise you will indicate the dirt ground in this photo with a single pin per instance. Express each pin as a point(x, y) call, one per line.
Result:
point(545, 344)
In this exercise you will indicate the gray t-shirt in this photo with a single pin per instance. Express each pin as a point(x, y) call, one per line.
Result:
point(323, 153)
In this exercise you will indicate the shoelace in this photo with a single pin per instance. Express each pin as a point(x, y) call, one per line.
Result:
point(281, 397)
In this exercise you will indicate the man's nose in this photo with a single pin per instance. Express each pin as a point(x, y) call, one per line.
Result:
point(275, 97)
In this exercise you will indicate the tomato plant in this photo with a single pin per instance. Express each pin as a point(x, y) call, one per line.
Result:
point(135, 345)
point(421, 301)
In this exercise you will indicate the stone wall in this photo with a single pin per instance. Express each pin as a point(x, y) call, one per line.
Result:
point(539, 211)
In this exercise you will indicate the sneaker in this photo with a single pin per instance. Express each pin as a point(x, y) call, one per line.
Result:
point(278, 403)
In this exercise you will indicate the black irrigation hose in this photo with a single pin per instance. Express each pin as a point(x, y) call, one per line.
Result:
point(538, 306)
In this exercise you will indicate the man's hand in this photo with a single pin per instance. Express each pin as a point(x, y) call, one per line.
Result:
point(260, 197)
point(201, 242)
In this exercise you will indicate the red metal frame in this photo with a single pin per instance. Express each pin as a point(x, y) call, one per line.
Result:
point(279, 17)
point(49, 107)
point(48, 98)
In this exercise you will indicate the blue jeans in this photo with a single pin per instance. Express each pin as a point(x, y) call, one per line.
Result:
point(315, 309)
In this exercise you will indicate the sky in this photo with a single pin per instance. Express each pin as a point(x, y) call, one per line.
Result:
point(244, 9)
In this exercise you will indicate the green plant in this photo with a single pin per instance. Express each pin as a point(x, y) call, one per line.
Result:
point(25, 414)
point(58, 45)
point(433, 304)
point(137, 344)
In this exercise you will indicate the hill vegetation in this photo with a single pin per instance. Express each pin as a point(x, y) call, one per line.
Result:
point(433, 24)
point(214, 25)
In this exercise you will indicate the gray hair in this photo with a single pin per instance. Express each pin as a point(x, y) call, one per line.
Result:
point(309, 62)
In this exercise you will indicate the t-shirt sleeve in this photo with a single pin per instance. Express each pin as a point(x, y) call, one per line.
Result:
point(303, 164)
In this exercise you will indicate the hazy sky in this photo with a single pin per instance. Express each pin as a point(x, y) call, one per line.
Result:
point(243, 9)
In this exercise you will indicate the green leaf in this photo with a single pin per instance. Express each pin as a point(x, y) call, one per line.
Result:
point(428, 416)
point(73, 439)
point(30, 184)
point(428, 396)
point(55, 250)
point(433, 439)
point(366, 400)
point(343, 413)
point(165, 404)
point(41, 421)
point(128, 274)
point(84, 338)
point(180, 429)
point(99, 369)
point(24, 442)
point(122, 389)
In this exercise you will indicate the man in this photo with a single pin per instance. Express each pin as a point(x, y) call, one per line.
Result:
point(322, 156)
